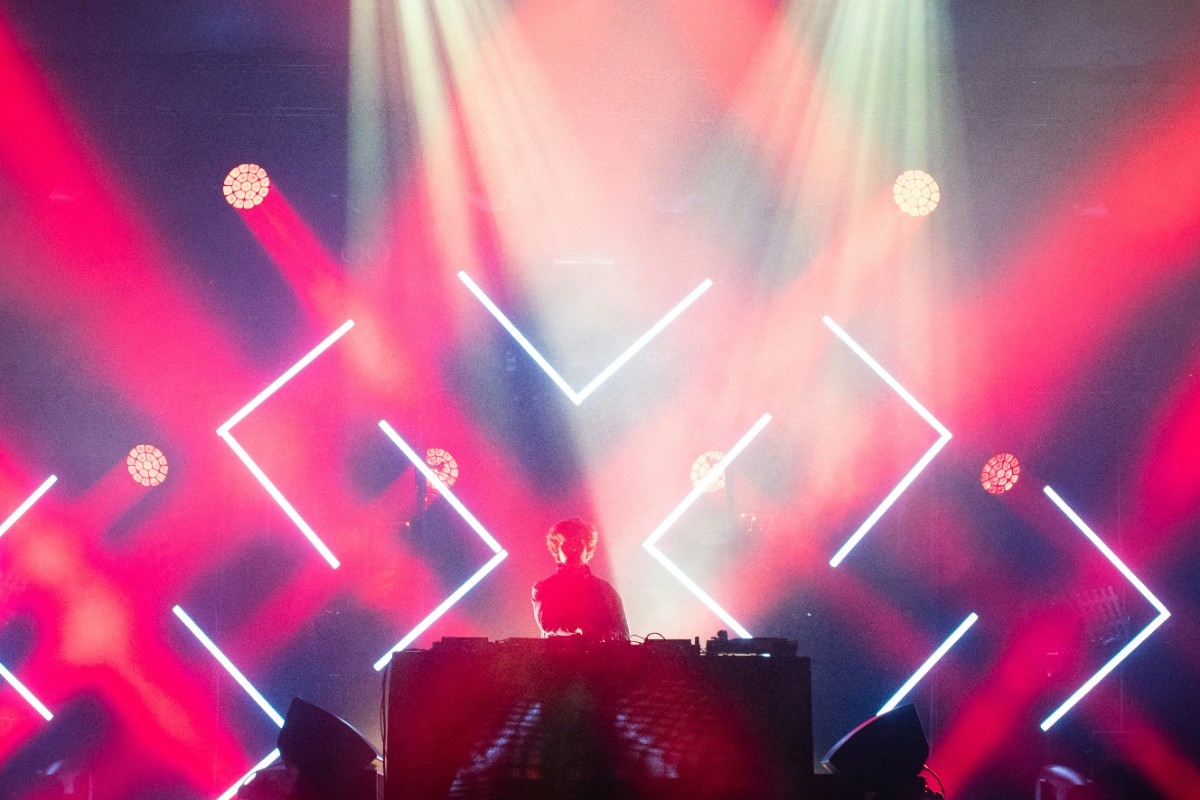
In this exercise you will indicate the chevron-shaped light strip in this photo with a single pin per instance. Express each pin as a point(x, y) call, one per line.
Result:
point(24, 692)
point(1134, 643)
point(25, 506)
point(225, 433)
point(929, 662)
point(468, 517)
point(943, 437)
point(215, 651)
point(4, 526)
point(578, 397)
point(651, 543)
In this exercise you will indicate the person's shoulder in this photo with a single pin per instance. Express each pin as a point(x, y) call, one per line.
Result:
point(603, 584)
point(547, 582)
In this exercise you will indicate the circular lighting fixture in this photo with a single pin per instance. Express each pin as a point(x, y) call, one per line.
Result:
point(147, 465)
point(1000, 473)
point(246, 185)
point(704, 464)
point(916, 193)
point(444, 466)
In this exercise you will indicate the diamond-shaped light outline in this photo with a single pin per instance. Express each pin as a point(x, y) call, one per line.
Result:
point(943, 437)
point(651, 543)
point(578, 397)
point(237, 675)
point(5, 673)
point(468, 517)
point(225, 432)
point(1133, 643)
point(933, 659)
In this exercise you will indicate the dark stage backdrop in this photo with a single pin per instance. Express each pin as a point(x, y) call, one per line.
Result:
point(315, 316)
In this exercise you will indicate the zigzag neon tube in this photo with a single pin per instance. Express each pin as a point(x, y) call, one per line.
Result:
point(943, 437)
point(578, 397)
point(225, 433)
point(4, 526)
point(1134, 643)
point(469, 518)
point(700, 488)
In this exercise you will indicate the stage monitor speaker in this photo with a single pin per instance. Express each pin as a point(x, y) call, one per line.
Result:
point(883, 752)
point(332, 759)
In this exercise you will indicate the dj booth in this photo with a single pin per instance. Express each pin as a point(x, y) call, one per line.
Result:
point(559, 718)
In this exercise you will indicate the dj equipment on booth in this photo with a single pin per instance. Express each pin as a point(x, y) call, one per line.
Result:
point(562, 717)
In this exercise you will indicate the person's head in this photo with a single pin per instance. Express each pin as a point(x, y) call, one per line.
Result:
point(572, 541)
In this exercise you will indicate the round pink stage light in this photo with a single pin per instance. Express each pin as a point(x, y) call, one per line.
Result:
point(444, 466)
point(1000, 473)
point(704, 464)
point(916, 193)
point(147, 465)
point(246, 186)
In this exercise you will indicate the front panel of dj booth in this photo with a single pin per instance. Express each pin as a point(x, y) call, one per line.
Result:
point(555, 718)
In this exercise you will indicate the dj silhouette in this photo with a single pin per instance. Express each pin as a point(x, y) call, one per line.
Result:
point(573, 600)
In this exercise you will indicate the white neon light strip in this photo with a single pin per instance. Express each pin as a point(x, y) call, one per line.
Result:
point(25, 506)
point(468, 517)
point(446, 605)
point(943, 437)
point(278, 383)
point(225, 433)
point(578, 397)
point(282, 501)
point(1134, 643)
point(929, 662)
point(228, 665)
point(24, 692)
point(441, 487)
point(12, 679)
point(233, 790)
point(651, 543)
